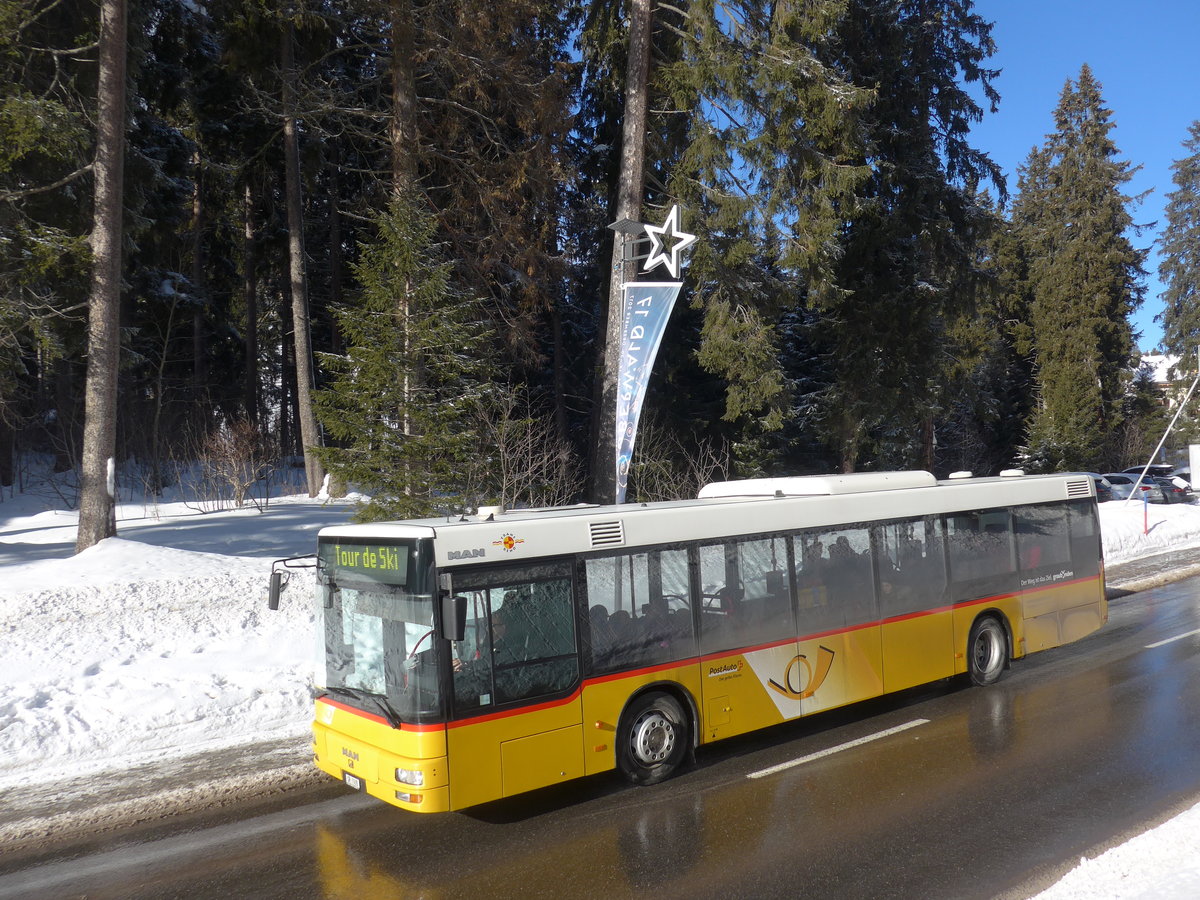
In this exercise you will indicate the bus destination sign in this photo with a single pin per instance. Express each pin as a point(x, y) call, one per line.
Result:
point(380, 561)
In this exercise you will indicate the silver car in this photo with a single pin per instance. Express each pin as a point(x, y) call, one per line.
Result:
point(1122, 487)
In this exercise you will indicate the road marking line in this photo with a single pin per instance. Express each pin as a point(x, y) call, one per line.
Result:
point(762, 773)
point(1178, 637)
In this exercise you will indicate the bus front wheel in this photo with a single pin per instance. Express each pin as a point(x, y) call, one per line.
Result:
point(987, 651)
point(653, 738)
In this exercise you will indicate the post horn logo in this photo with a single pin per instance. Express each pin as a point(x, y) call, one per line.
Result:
point(809, 683)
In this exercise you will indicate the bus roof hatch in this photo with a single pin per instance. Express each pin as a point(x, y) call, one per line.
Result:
point(818, 485)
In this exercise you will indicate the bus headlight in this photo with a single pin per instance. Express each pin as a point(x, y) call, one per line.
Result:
point(414, 777)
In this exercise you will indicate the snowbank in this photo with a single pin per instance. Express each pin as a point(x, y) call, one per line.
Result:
point(1135, 530)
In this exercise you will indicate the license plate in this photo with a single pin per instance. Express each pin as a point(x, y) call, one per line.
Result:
point(352, 781)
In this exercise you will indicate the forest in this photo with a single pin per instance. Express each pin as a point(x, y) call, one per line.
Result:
point(371, 238)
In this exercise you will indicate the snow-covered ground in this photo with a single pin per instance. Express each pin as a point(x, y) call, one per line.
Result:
point(158, 644)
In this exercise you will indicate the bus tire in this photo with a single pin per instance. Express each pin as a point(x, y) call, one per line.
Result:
point(653, 738)
point(987, 651)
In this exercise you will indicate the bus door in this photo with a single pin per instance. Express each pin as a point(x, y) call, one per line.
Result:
point(747, 636)
point(517, 717)
point(914, 605)
point(838, 654)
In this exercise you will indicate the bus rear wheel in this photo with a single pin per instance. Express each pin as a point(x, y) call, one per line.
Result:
point(987, 651)
point(653, 738)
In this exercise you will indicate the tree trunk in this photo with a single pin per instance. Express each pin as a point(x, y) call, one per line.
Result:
point(65, 432)
point(309, 435)
point(561, 426)
point(7, 442)
point(630, 187)
point(97, 514)
point(200, 399)
point(402, 130)
point(287, 379)
point(250, 288)
point(403, 135)
point(336, 257)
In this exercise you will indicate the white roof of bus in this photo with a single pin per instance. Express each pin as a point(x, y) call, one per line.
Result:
point(526, 534)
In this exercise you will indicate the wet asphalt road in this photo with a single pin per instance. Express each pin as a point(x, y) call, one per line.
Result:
point(958, 793)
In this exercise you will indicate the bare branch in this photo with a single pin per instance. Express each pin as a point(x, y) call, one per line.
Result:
point(11, 196)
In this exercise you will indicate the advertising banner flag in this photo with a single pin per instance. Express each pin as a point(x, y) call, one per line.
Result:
point(647, 307)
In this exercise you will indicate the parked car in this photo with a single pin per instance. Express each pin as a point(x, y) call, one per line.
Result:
point(1172, 492)
point(1122, 487)
point(1158, 470)
point(1103, 488)
point(1181, 478)
point(1120, 484)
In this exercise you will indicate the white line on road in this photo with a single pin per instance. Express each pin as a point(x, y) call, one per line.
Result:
point(762, 773)
point(1178, 637)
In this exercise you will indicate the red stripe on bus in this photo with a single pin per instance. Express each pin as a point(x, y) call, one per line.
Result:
point(375, 717)
point(519, 710)
point(660, 667)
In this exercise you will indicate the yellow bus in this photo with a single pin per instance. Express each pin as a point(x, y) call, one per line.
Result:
point(470, 658)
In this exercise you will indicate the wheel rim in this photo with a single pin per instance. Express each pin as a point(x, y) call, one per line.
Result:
point(653, 738)
point(988, 651)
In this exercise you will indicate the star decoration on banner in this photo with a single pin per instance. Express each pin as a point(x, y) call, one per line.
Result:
point(678, 241)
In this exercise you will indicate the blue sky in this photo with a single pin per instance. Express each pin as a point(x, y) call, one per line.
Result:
point(1144, 54)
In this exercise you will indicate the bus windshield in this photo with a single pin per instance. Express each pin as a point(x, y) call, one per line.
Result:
point(381, 648)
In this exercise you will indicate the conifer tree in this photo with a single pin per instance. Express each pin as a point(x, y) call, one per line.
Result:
point(772, 165)
point(1084, 281)
point(1180, 271)
point(45, 162)
point(1180, 247)
point(406, 442)
point(989, 373)
point(907, 249)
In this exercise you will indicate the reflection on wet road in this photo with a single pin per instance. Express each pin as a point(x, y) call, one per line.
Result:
point(941, 792)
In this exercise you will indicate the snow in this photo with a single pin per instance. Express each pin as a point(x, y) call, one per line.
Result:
point(158, 644)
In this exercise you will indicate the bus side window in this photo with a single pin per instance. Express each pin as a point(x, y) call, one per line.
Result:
point(911, 566)
point(1043, 537)
point(1085, 537)
point(845, 572)
point(981, 544)
point(520, 635)
point(746, 601)
point(640, 609)
point(540, 641)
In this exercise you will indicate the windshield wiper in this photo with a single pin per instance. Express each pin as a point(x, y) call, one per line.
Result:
point(393, 717)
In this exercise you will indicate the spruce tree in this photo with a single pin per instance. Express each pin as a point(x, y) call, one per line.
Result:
point(1180, 248)
point(1180, 272)
point(46, 106)
point(905, 264)
point(989, 373)
point(1084, 281)
point(406, 442)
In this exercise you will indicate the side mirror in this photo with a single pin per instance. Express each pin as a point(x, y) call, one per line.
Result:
point(454, 618)
point(276, 589)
